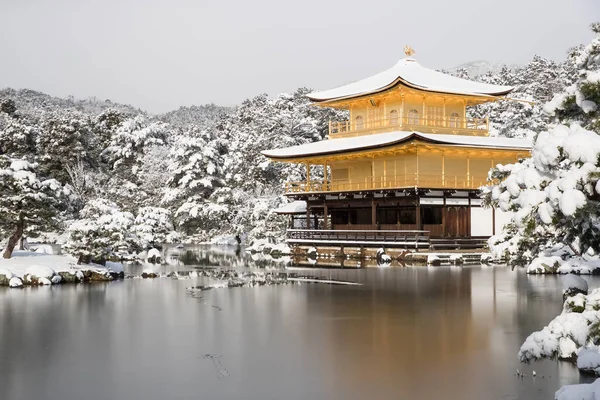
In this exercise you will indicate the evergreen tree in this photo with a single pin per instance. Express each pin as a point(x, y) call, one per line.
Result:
point(555, 194)
point(8, 107)
point(62, 141)
point(28, 204)
point(17, 137)
point(195, 173)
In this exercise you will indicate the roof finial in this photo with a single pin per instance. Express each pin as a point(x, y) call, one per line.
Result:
point(408, 51)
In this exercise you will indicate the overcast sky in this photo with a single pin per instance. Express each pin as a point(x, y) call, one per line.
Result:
point(161, 54)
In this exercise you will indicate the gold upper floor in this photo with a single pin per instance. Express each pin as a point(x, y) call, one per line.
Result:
point(406, 109)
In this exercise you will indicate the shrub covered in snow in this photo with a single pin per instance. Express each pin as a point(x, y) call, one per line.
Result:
point(154, 225)
point(578, 326)
point(100, 231)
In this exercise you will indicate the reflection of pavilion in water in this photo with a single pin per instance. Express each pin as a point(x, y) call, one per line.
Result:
point(402, 326)
point(428, 332)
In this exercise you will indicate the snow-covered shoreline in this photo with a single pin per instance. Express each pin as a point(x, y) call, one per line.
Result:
point(555, 264)
point(571, 336)
point(27, 268)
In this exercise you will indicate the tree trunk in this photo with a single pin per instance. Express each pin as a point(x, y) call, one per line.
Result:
point(14, 239)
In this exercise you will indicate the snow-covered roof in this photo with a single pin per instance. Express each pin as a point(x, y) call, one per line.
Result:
point(333, 146)
point(295, 207)
point(409, 72)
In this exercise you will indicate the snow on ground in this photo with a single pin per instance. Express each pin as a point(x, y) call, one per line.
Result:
point(26, 267)
point(585, 391)
point(43, 248)
point(556, 265)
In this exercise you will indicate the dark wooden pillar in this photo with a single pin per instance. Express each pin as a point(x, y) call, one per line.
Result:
point(468, 230)
point(444, 216)
point(307, 216)
point(373, 214)
point(325, 219)
point(419, 225)
point(349, 220)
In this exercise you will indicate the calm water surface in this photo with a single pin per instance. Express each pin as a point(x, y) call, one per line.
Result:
point(406, 333)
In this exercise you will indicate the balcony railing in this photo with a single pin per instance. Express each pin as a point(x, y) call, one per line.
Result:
point(450, 125)
point(389, 182)
point(388, 238)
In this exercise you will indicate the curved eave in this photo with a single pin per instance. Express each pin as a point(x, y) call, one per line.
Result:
point(412, 137)
point(406, 83)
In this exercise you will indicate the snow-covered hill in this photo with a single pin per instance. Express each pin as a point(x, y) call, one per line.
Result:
point(477, 68)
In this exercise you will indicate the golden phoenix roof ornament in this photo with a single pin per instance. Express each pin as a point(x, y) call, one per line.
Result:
point(409, 51)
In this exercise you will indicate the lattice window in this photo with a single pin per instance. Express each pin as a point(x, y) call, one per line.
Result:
point(393, 117)
point(359, 123)
point(454, 120)
point(413, 117)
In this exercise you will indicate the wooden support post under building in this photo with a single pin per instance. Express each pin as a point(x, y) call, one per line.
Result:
point(325, 219)
point(468, 227)
point(349, 219)
point(374, 214)
point(419, 225)
point(307, 217)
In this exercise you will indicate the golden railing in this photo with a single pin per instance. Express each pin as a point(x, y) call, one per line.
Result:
point(427, 124)
point(389, 182)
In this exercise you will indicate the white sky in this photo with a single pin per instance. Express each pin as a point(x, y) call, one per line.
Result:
point(161, 54)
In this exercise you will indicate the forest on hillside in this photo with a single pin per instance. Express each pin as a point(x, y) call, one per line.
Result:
point(118, 175)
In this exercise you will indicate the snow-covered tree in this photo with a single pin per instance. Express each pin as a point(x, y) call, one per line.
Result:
point(195, 173)
point(103, 127)
point(122, 177)
point(8, 107)
point(28, 204)
point(17, 137)
point(131, 138)
point(153, 225)
point(263, 122)
point(62, 141)
point(555, 194)
point(99, 232)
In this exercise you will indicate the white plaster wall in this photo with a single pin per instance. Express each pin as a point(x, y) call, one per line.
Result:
point(481, 221)
point(502, 218)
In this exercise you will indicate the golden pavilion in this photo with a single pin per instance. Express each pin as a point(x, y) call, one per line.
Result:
point(407, 159)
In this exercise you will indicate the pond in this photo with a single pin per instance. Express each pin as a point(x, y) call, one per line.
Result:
point(406, 332)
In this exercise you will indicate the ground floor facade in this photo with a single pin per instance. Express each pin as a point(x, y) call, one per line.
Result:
point(443, 214)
